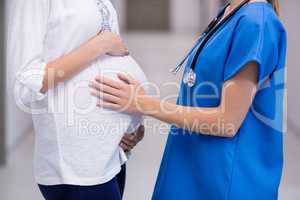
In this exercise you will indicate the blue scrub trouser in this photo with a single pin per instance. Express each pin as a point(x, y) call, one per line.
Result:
point(112, 190)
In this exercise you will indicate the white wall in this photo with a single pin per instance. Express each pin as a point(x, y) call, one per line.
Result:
point(18, 123)
point(187, 16)
point(290, 16)
point(191, 15)
point(120, 6)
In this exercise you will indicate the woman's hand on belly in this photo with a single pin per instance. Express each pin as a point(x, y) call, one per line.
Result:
point(129, 141)
point(68, 65)
point(114, 44)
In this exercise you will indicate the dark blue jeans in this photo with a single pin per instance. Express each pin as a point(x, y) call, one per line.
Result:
point(112, 190)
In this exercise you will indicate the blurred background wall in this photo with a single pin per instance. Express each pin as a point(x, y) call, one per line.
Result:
point(18, 124)
point(165, 15)
point(158, 34)
point(2, 87)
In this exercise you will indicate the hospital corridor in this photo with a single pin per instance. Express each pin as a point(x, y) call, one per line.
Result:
point(158, 42)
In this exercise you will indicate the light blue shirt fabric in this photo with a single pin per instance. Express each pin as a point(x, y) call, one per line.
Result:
point(249, 165)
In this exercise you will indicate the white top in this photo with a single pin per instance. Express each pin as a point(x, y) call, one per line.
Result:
point(76, 142)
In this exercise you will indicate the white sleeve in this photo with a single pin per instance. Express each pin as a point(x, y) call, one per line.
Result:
point(26, 30)
point(135, 123)
point(115, 21)
point(116, 26)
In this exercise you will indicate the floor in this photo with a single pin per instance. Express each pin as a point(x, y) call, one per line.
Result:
point(156, 53)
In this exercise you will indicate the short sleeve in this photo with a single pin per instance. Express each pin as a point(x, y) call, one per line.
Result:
point(252, 41)
point(26, 31)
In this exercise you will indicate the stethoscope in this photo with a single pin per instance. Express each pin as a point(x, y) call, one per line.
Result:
point(189, 77)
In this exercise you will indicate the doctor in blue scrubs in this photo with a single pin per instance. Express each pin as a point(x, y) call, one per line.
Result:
point(226, 139)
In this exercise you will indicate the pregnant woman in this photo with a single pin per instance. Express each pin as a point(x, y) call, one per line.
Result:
point(56, 48)
point(226, 142)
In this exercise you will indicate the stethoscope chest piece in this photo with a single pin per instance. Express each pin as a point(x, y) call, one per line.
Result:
point(189, 78)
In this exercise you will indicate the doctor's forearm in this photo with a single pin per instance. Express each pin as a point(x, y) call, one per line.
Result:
point(206, 121)
point(224, 120)
point(65, 67)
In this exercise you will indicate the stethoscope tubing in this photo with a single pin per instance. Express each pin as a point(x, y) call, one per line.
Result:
point(217, 24)
point(211, 29)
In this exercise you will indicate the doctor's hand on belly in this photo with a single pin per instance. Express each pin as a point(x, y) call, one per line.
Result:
point(119, 96)
point(128, 96)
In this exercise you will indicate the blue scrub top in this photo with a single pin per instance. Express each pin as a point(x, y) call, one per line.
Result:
point(249, 165)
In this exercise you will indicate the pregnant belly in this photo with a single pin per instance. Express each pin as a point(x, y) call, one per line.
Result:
point(83, 117)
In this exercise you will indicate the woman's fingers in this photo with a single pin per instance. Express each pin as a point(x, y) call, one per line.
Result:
point(123, 52)
point(114, 43)
point(140, 133)
point(130, 145)
point(129, 140)
point(125, 147)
